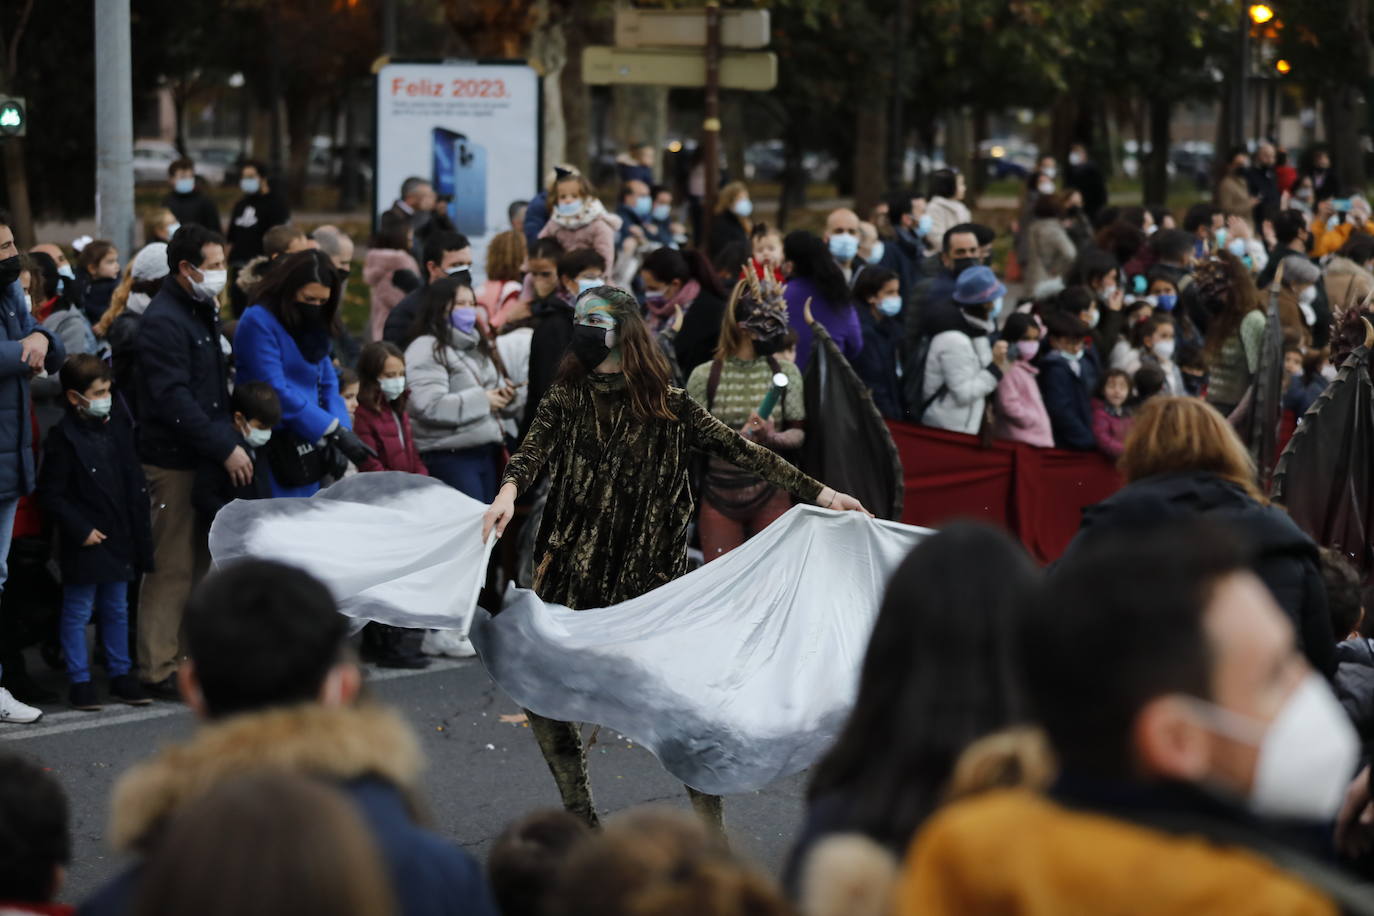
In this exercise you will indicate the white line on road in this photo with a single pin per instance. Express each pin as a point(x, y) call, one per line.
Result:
point(60, 723)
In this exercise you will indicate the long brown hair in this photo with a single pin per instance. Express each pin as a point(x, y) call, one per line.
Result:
point(1173, 435)
point(371, 363)
point(1227, 283)
point(119, 301)
point(644, 368)
point(731, 335)
point(272, 844)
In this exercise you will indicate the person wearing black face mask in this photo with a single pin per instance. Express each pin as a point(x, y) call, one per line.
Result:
point(284, 340)
point(616, 439)
point(961, 249)
point(735, 505)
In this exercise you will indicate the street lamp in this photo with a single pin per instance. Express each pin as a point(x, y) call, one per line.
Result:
point(1283, 66)
point(1260, 13)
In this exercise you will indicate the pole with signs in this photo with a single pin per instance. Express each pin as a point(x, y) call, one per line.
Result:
point(710, 128)
point(114, 125)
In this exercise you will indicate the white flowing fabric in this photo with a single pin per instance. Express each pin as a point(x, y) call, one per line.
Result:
point(737, 674)
point(392, 547)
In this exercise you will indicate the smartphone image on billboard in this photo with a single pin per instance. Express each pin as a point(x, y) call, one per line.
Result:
point(460, 174)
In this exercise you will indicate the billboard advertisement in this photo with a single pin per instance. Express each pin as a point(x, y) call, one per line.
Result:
point(472, 129)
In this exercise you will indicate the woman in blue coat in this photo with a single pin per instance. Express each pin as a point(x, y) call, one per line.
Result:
point(284, 339)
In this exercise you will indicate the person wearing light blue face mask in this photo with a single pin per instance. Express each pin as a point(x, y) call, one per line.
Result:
point(731, 222)
point(579, 219)
point(259, 210)
point(904, 250)
point(963, 367)
point(842, 234)
point(188, 203)
point(878, 298)
point(636, 205)
point(659, 225)
point(1067, 378)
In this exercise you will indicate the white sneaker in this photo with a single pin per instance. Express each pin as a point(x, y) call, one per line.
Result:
point(11, 710)
point(447, 642)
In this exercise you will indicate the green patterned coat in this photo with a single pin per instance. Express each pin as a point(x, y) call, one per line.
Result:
point(615, 525)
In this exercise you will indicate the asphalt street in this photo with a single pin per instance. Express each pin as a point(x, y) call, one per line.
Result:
point(484, 768)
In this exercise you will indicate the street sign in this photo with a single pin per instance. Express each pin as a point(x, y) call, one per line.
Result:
point(687, 28)
point(603, 66)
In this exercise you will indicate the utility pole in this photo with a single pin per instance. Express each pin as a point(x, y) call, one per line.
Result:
point(114, 125)
point(710, 128)
point(896, 133)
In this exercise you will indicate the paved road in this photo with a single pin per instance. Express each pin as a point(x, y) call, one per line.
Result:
point(483, 773)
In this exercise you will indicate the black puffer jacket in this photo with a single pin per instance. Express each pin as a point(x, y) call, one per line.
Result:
point(1355, 685)
point(1285, 557)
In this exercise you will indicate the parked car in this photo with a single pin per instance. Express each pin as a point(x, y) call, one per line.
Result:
point(153, 157)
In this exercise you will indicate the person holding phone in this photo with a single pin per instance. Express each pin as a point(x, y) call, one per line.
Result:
point(1335, 220)
point(615, 438)
point(458, 397)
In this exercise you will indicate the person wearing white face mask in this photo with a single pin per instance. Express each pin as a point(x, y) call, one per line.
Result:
point(962, 366)
point(184, 419)
point(256, 410)
point(1152, 344)
point(92, 486)
point(1187, 764)
point(257, 211)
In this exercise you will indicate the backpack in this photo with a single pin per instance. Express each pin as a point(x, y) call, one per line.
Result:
point(914, 380)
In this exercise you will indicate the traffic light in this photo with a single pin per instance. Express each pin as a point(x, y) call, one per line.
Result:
point(1283, 66)
point(14, 117)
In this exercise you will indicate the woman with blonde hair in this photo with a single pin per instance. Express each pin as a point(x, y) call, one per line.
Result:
point(731, 220)
point(499, 297)
point(1183, 460)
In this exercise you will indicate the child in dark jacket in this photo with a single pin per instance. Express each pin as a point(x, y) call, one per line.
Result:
point(380, 419)
point(92, 485)
point(256, 410)
point(1067, 375)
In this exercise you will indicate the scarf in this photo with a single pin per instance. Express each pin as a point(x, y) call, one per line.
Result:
point(661, 312)
point(592, 210)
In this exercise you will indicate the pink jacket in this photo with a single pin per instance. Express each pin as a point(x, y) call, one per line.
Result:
point(1109, 431)
point(599, 234)
point(1021, 415)
point(378, 267)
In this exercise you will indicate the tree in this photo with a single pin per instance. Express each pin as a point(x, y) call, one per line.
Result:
point(16, 174)
point(1327, 44)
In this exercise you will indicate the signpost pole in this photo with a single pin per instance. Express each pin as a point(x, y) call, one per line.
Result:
point(710, 141)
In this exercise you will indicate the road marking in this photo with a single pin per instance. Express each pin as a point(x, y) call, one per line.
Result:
point(72, 720)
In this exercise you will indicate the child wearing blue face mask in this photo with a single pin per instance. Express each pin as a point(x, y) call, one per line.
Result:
point(92, 486)
point(1066, 379)
point(877, 295)
point(578, 219)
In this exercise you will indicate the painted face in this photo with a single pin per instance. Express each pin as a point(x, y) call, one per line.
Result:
point(595, 313)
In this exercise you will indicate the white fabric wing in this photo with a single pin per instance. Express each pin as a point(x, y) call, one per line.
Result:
point(396, 548)
point(735, 675)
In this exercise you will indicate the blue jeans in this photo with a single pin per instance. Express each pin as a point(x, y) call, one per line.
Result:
point(469, 470)
point(8, 508)
point(111, 601)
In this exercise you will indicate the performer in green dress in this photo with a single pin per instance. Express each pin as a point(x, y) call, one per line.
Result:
point(616, 438)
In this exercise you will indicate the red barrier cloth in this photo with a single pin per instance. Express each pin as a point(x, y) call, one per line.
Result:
point(1037, 494)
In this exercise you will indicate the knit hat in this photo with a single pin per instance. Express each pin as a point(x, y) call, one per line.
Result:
point(977, 285)
point(151, 262)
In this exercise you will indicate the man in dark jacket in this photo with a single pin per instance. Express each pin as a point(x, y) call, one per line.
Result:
point(447, 254)
point(257, 211)
point(184, 419)
point(190, 205)
point(25, 348)
point(1086, 178)
point(1068, 376)
point(1263, 182)
point(904, 252)
point(270, 678)
point(636, 206)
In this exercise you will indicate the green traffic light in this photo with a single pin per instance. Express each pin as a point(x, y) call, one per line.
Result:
point(11, 117)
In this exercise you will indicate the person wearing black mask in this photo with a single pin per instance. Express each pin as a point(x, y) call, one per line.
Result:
point(961, 249)
point(615, 436)
point(285, 340)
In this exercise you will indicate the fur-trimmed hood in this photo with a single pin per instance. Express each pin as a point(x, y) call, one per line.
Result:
point(335, 743)
point(251, 274)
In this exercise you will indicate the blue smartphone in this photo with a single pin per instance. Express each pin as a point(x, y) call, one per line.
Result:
point(1341, 204)
point(460, 173)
